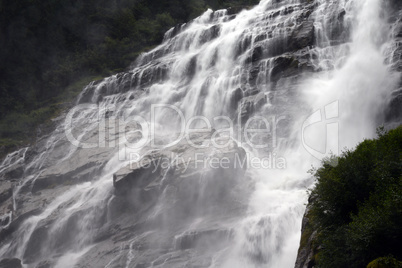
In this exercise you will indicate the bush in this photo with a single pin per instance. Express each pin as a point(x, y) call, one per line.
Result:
point(385, 262)
point(358, 204)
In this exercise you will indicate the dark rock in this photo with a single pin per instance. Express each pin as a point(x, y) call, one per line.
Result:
point(88, 92)
point(175, 31)
point(284, 66)
point(393, 112)
point(5, 220)
point(257, 54)
point(15, 224)
point(303, 36)
point(202, 239)
point(11, 263)
point(65, 238)
point(136, 175)
point(14, 173)
point(243, 45)
point(254, 56)
point(307, 250)
point(6, 191)
point(234, 10)
point(210, 33)
point(341, 14)
point(50, 180)
point(44, 264)
point(35, 243)
point(253, 75)
point(124, 81)
point(235, 97)
point(260, 37)
point(191, 68)
point(287, 10)
point(251, 104)
point(150, 75)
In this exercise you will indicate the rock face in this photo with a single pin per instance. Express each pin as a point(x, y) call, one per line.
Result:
point(393, 113)
point(193, 162)
point(308, 249)
point(10, 263)
point(174, 206)
point(167, 189)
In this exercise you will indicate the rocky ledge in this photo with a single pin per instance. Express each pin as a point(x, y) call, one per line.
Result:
point(193, 161)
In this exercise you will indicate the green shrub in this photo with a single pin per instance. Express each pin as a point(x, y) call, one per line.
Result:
point(385, 262)
point(358, 204)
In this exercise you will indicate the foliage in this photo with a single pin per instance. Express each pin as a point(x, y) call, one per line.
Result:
point(385, 262)
point(358, 203)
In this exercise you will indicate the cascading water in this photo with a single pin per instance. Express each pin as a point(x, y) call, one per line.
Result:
point(300, 71)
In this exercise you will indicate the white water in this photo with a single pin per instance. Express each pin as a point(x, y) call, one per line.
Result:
point(354, 83)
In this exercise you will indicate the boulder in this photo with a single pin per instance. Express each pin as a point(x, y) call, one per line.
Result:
point(11, 263)
point(235, 98)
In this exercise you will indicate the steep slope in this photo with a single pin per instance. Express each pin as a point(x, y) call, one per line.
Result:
point(116, 183)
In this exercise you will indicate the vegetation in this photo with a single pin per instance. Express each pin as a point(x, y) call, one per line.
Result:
point(48, 45)
point(357, 207)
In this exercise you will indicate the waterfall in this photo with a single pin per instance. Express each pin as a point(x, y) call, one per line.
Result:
point(306, 78)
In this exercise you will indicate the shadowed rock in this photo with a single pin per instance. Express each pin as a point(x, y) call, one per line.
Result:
point(10, 263)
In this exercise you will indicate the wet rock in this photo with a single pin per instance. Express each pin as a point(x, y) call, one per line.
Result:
point(202, 238)
point(6, 191)
point(88, 93)
point(234, 10)
point(35, 243)
point(191, 68)
point(180, 170)
point(52, 178)
point(243, 45)
point(11, 263)
point(303, 36)
point(210, 33)
point(307, 250)
point(124, 81)
point(42, 239)
point(45, 264)
point(137, 175)
point(251, 104)
point(175, 31)
point(394, 109)
point(16, 223)
point(253, 75)
point(5, 220)
point(284, 66)
point(81, 166)
point(235, 98)
point(256, 55)
point(151, 75)
point(13, 173)
point(260, 37)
